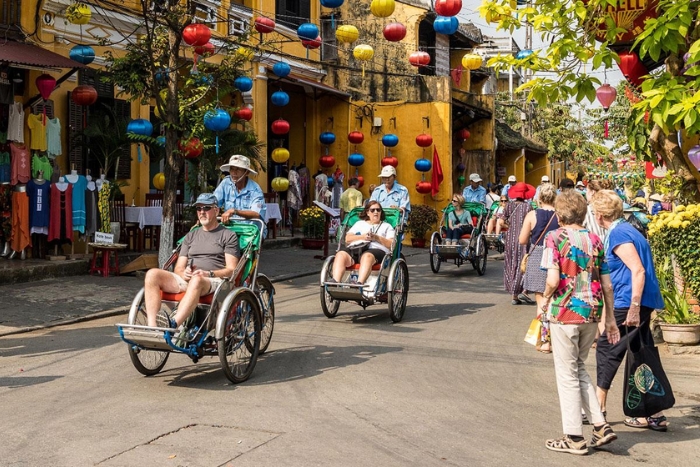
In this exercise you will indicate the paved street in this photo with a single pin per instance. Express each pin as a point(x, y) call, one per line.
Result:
point(453, 384)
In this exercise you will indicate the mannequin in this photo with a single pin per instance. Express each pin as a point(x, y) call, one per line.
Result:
point(79, 183)
point(99, 183)
point(91, 212)
point(73, 176)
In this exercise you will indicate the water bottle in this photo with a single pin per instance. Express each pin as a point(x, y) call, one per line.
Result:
point(353, 277)
point(192, 332)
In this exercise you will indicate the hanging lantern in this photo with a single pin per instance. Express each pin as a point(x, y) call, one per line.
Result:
point(139, 127)
point(694, 156)
point(461, 179)
point(632, 67)
point(327, 137)
point(363, 53)
point(264, 25)
point(446, 25)
point(161, 75)
point(394, 32)
point(419, 58)
point(280, 184)
point(390, 140)
point(331, 3)
point(281, 69)
point(196, 34)
point(522, 54)
point(84, 95)
point(360, 180)
point(307, 31)
point(347, 34)
point(424, 140)
point(326, 161)
point(159, 181)
point(464, 134)
point(192, 148)
point(331, 181)
point(472, 61)
point(243, 83)
point(206, 50)
point(279, 98)
point(280, 155)
point(422, 165)
point(312, 44)
point(382, 8)
point(217, 120)
point(529, 166)
point(204, 80)
point(356, 160)
point(244, 113)
point(448, 7)
point(46, 84)
point(356, 137)
point(280, 127)
point(423, 187)
point(160, 141)
point(606, 95)
point(78, 13)
point(391, 160)
point(461, 167)
point(82, 54)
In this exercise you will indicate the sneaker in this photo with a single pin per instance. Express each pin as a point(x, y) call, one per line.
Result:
point(172, 323)
point(602, 436)
point(566, 444)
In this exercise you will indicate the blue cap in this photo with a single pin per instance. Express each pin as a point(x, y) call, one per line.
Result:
point(207, 199)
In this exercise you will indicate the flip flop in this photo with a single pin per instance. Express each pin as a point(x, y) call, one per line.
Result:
point(652, 423)
point(634, 422)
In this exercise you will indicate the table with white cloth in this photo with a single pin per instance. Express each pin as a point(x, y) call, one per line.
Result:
point(272, 212)
point(143, 216)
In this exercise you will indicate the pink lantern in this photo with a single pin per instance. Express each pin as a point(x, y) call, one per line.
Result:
point(606, 95)
point(46, 84)
point(694, 156)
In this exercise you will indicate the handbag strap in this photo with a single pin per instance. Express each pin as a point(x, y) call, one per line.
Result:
point(543, 231)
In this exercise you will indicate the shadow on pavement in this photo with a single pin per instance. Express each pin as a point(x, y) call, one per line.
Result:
point(58, 340)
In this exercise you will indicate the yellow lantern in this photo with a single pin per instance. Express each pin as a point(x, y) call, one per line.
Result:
point(280, 155)
point(159, 181)
point(382, 8)
point(245, 53)
point(363, 53)
point(78, 13)
point(472, 61)
point(347, 34)
point(280, 184)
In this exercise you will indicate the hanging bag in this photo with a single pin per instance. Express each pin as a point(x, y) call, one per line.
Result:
point(526, 256)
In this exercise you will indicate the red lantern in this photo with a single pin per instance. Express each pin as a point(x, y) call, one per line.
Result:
point(312, 44)
point(423, 140)
point(464, 134)
point(360, 181)
point(424, 187)
point(206, 50)
point(394, 32)
point(606, 95)
point(356, 137)
point(326, 161)
point(196, 34)
point(419, 59)
point(46, 84)
point(84, 95)
point(448, 7)
point(632, 67)
point(264, 25)
point(280, 127)
point(192, 148)
point(244, 113)
point(392, 161)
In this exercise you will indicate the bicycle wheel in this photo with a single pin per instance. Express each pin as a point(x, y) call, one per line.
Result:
point(399, 291)
point(480, 255)
point(148, 362)
point(266, 294)
point(239, 345)
point(328, 304)
point(434, 256)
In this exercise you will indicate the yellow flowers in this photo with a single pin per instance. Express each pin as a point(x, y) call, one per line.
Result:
point(681, 218)
point(312, 222)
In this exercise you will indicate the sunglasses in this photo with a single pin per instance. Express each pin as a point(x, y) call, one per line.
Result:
point(375, 210)
point(203, 208)
point(455, 201)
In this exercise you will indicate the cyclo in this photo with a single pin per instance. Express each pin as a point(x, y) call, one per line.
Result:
point(388, 282)
point(471, 247)
point(234, 322)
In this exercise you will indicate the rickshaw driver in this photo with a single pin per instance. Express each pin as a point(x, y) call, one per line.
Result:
point(238, 195)
point(391, 194)
point(207, 255)
point(474, 192)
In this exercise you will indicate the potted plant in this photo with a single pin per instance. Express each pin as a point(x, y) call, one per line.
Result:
point(421, 219)
point(677, 321)
point(313, 224)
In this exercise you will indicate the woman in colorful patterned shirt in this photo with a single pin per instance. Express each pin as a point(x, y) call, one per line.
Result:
point(577, 286)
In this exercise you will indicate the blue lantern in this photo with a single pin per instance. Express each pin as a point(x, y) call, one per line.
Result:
point(161, 75)
point(243, 83)
point(390, 140)
point(523, 54)
point(83, 54)
point(281, 69)
point(279, 98)
point(446, 24)
point(356, 159)
point(422, 165)
point(217, 120)
point(307, 32)
point(204, 80)
point(327, 137)
point(331, 182)
point(140, 127)
point(160, 141)
point(331, 3)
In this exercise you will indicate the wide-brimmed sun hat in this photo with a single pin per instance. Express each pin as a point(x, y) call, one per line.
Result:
point(238, 161)
point(522, 190)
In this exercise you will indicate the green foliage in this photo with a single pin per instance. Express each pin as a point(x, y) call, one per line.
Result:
point(313, 222)
point(421, 219)
point(105, 135)
point(677, 310)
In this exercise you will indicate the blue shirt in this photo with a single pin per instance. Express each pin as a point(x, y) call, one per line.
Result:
point(505, 190)
point(474, 196)
point(250, 198)
point(621, 276)
point(397, 196)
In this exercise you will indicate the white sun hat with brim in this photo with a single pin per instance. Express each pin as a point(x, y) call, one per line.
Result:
point(239, 161)
point(387, 171)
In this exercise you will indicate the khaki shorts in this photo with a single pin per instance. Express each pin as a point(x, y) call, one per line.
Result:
point(214, 282)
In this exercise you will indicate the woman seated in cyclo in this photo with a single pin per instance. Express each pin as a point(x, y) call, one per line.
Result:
point(495, 224)
point(378, 236)
point(459, 221)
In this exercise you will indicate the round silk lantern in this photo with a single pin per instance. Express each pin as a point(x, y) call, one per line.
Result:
point(280, 127)
point(244, 113)
point(78, 13)
point(279, 98)
point(264, 25)
point(694, 156)
point(390, 140)
point(461, 179)
point(313, 43)
point(331, 181)
point(192, 148)
point(422, 165)
point(84, 95)
point(529, 166)
point(392, 161)
point(331, 3)
point(159, 181)
point(424, 187)
point(523, 54)
point(446, 25)
point(424, 140)
point(363, 53)
point(360, 180)
point(243, 83)
point(394, 32)
point(327, 137)
point(82, 54)
point(280, 184)
point(448, 7)
point(280, 155)
point(356, 137)
point(46, 84)
point(196, 34)
point(419, 58)
point(206, 50)
point(326, 161)
point(606, 95)
point(461, 167)
point(464, 134)
point(281, 69)
point(307, 31)
point(160, 141)
point(217, 120)
point(347, 33)
point(140, 127)
point(356, 159)
point(472, 61)
point(632, 67)
point(382, 8)
point(204, 80)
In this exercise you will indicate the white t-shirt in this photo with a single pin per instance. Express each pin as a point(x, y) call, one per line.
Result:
point(383, 230)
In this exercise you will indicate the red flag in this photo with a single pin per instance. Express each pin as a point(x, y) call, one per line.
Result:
point(437, 172)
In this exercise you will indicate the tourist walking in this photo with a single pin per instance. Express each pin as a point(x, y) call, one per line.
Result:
point(513, 215)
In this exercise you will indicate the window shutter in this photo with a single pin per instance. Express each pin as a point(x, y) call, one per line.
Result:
point(92, 77)
point(75, 125)
point(122, 110)
point(304, 9)
point(329, 46)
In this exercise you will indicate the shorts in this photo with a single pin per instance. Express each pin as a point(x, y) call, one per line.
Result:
point(356, 253)
point(214, 282)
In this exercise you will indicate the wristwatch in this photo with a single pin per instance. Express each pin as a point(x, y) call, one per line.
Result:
point(211, 274)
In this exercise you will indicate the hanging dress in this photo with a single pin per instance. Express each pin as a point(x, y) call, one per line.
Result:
point(15, 126)
point(41, 163)
point(294, 198)
point(78, 205)
point(38, 206)
point(91, 211)
point(21, 170)
point(53, 137)
point(61, 214)
point(103, 206)
point(20, 220)
point(38, 132)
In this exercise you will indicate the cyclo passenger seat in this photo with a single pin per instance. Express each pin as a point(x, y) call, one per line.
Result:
point(393, 217)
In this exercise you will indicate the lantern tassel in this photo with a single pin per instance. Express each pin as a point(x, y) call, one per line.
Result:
point(606, 129)
point(217, 143)
point(363, 70)
point(44, 112)
point(138, 151)
point(333, 20)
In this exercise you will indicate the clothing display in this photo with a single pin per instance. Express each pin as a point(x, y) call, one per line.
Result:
point(53, 137)
point(20, 171)
point(20, 220)
point(61, 213)
point(294, 197)
point(38, 191)
point(15, 127)
point(92, 216)
point(4, 167)
point(304, 181)
point(79, 183)
point(338, 178)
point(38, 132)
point(41, 163)
point(103, 206)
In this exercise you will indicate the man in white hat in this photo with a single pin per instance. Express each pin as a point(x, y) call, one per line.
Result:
point(511, 181)
point(544, 181)
point(474, 192)
point(391, 194)
point(239, 196)
point(581, 187)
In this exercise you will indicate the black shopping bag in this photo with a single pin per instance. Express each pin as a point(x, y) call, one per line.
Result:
point(647, 390)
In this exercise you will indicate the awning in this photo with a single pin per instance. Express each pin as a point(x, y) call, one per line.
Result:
point(314, 87)
point(19, 53)
point(511, 139)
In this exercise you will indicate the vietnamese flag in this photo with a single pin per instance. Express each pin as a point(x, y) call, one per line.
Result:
point(437, 173)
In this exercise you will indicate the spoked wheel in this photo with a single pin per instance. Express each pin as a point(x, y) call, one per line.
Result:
point(148, 362)
point(399, 291)
point(328, 304)
point(480, 255)
point(435, 241)
point(239, 343)
point(265, 292)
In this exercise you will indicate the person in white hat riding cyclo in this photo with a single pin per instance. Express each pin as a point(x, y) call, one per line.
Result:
point(511, 181)
point(544, 181)
point(474, 192)
point(238, 195)
point(391, 194)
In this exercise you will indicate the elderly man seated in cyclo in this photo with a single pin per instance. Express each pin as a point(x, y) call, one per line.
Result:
point(391, 194)
point(207, 256)
point(372, 237)
point(238, 195)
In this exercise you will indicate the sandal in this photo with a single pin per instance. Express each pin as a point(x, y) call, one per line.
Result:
point(652, 423)
point(566, 444)
point(546, 350)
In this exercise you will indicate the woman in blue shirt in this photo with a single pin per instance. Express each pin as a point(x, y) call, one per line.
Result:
point(459, 221)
